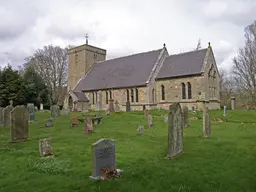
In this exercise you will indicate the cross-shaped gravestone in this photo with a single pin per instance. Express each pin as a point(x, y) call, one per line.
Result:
point(45, 147)
point(175, 131)
point(19, 123)
point(140, 129)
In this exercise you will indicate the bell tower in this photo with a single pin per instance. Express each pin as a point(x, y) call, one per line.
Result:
point(80, 59)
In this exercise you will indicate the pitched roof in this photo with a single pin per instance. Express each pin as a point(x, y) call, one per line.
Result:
point(80, 96)
point(129, 71)
point(189, 63)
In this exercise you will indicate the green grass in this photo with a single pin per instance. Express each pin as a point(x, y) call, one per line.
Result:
point(224, 162)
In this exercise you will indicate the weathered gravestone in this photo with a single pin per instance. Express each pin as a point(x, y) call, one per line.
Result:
point(103, 156)
point(19, 123)
point(7, 115)
point(111, 106)
point(1, 116)
point(74, 121)
point(140, 129)
point(55, 111)
point(128, 106)
point(233, 103)
point(117, 108)
point(64, 112)
point(185, 116)
point(150, 121)
point(49, 123)
point(225, 111)
point(88, 125)
point(175, 131)
point(45, 147)
point(107, 111)
point(41, 106)
point(166, 118)
point(146, 113)
point(31, 112)
point(206, 123)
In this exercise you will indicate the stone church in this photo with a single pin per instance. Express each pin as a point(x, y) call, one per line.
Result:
point(152, 79)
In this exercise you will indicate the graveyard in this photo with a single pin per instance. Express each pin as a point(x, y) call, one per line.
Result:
point(225, 161)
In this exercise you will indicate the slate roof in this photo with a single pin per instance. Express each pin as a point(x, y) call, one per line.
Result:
point(189, 63)
point(129, 71)
point(81, 96)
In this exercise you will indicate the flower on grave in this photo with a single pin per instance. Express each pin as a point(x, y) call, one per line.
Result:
point(110, 173)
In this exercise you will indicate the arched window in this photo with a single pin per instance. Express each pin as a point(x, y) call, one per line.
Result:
point(137, 95)
point(110, 94)
point(163, 92)
point(93, 99)
point(189, 91)
point(106, 97)
point(183, 91)
point(132, 96)
point(127, 94)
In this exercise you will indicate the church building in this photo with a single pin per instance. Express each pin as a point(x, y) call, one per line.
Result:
point(152, 79)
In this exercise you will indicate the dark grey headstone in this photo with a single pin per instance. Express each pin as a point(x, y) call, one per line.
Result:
point(55, 111)
point(49, 123)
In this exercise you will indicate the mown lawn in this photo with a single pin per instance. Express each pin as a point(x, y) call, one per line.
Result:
point(224, 162)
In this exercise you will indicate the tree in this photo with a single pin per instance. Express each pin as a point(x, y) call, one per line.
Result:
point(51, 65)
point(11, 87)
point(198, 44)
point(244, 69)
point(36, 90)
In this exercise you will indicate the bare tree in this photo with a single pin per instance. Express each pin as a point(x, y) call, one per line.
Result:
point(51, 64)
point(244, 69)
point(198, 44)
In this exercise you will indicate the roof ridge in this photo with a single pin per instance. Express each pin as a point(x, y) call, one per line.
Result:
point(128, 55)
point(188, 52)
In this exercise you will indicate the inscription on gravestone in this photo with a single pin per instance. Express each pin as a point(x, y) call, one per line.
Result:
point(103, 156)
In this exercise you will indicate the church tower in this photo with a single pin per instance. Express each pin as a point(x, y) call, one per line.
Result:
point(80, 59)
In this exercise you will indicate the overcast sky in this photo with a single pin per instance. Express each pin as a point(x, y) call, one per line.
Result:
point(124, 26)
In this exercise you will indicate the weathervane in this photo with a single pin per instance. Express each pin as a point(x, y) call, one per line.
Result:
point(86, 36)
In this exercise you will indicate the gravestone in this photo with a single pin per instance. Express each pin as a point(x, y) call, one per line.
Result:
point(41, 106)
point(225, 111)
point(140, 129)
point(107, 112)
point(117, 108)
point(45, 147)
point(88, 126)
point(7, 115)
point(49, 123)
point(64, 112)
point(128, 106)
point(74, 121)
point(11, 102)
point(103, 156)
point(185, 116)
point(31, 112)
point(19, 123)
point(146, 113)
point(36, 109)
point(55, 111)
point(233, 103)
point(175, 131)
point(111, 106)
point(1, 116)
point(206, 123)
point(166, 118)
point(150, 121)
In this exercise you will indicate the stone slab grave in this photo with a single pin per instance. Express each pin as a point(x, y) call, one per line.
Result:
point(146, 113)
point(117, 107)
point(1, 116)
point(150, 121)
point(45, 147)
point(88, 126)
point(74, 121)
point(140, 129)
point(185, 117)
point(103, 156)
point(55, 111)
point(19, 123)
point(31, 112)
point(175, 131)
point(206, 123)
point(49, 123)
point(7, 115)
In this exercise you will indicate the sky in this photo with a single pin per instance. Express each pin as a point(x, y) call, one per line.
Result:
point(124, 27)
